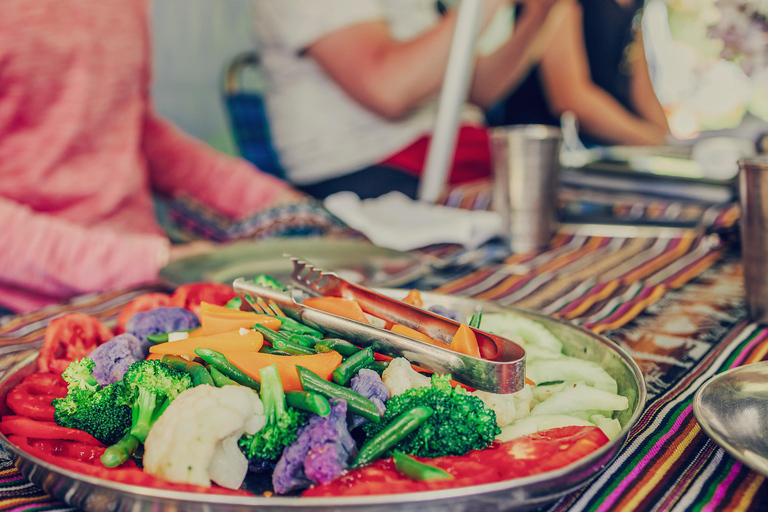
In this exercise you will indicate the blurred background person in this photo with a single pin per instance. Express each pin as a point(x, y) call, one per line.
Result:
point(595, 66)
point(81, 149)
point(353, 85)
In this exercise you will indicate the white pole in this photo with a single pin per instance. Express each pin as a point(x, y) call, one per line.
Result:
point(453, 96)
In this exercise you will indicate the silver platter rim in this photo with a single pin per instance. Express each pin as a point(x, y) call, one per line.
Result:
point(563, 481)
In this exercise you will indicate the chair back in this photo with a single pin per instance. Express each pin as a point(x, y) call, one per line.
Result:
point(248, 116)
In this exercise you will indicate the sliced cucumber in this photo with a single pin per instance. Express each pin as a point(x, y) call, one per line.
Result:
point(610, 426)
point(510, 325)
point(581, 397)
point(533, 424)
point(571, 369)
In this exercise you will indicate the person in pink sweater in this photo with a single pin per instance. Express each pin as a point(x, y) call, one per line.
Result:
point(81, 149)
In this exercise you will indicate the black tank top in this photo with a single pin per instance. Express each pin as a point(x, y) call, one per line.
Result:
point(608, 33)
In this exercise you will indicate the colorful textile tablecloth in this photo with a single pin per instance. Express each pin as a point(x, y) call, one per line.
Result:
point(673, 301)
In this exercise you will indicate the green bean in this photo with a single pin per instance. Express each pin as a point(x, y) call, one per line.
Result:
point(267, 282)
point(416, 470)
point(195, 370)
point(300, 339)
point(343, 347)
point(308, 401)
point(269, 334)
point(218, 361)
point(392, 434)
point(119, 452)
point(356, 402)
point(378, 366)
point(234, 303)
point(219, 379)
point(294, 327)
point(266, 349)
point(352, 365)
point(163, 337)
point(475, 320)
point(291, 348)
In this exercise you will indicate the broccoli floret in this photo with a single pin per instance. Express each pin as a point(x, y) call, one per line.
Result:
point(79, 375)
point(102, 412)
point(152, 386)
point(283, 421)
point(460, 423)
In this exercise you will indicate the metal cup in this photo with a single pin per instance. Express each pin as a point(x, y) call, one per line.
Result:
point(753, 196)
point(526, 167)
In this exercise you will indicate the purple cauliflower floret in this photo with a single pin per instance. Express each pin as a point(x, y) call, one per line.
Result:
point(449, 313)
point(112, 359)
point(160, 321)
point(369, 384)
point(322, 450)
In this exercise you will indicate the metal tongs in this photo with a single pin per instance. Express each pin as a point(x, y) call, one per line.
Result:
point(500, 370)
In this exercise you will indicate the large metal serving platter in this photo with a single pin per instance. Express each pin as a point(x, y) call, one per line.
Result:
point(93, 494)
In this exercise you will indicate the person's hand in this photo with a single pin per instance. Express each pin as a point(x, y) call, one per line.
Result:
point(181, 251)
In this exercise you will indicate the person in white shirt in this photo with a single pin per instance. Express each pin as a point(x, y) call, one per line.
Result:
point(353, 85)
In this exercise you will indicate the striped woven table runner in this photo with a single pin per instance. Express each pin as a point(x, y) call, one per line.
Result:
point(602, 283)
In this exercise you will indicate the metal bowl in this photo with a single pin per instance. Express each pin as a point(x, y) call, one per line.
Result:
point(732, 408)
point(93, 494)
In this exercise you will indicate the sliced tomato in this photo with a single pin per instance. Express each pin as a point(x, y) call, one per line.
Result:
point(33, 395)
point(70, 337)
point(146, 302)
point(69, 449)
point(189, 296)
point(126, 473)
point(545, 451)
point(30, 428)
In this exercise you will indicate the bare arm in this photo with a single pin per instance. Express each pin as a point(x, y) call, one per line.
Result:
point(568, 86)
point(500, 72)
point(391, 77)
point(643, 96)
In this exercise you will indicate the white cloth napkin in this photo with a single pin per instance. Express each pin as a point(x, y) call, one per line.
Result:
point(397, 222)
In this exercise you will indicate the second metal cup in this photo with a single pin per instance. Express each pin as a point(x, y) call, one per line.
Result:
point(526, 168)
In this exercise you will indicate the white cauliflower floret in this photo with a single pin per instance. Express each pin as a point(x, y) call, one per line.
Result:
point(400, 377)
point(509, 407)
point(195, 440)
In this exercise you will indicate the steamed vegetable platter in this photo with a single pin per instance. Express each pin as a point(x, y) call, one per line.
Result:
point(193, 394)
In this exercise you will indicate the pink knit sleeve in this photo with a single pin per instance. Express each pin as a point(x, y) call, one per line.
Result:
point(54, 257)
point(180, 164)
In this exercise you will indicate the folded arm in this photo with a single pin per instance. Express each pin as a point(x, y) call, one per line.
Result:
point(568, 86)
point(391, 77)
point(57, 258)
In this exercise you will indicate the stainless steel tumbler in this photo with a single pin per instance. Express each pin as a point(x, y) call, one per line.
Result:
point(753, 196)
point(526, 166)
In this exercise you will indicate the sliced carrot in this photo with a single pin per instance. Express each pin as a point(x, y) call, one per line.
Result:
point(465, 342)
point(414, 298)
point(322, 364)
point(338, 306)
point(529, 382)
point(228, 341)
point(413, 333)
point(217, 319)
point(154, 356)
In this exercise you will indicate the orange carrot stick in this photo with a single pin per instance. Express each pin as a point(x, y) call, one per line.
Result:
point(217, 319)
point(413, 333)
point(414, 298)
point(465, 342)
point(322, 364)
point(229, 341)
point(338, 306)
